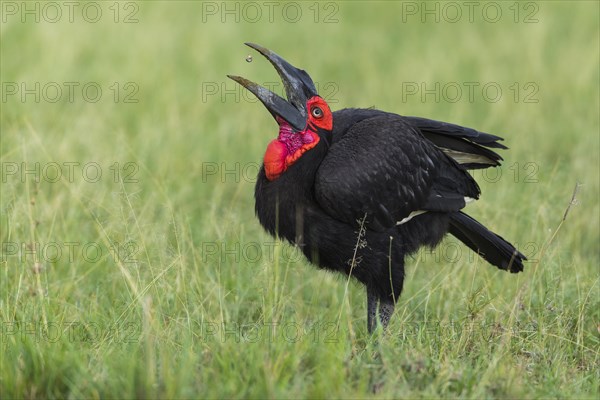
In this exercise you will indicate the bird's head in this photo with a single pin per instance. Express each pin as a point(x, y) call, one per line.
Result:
point(302, 118)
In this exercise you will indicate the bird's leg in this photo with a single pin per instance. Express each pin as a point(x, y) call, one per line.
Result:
point(386, 309)
point(372, 301)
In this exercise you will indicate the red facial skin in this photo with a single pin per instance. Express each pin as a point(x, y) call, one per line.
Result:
point(289, 145)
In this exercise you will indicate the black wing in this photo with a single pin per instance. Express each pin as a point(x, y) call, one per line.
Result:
point(467, 146)
point(384, 168)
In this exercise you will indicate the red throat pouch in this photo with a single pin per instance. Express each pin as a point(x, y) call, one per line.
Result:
point(279, 156)
point(274, 159)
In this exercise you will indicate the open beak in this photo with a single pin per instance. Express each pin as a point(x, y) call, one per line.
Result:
point(298, 85)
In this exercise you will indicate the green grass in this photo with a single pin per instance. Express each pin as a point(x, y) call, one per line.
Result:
point(146, 320)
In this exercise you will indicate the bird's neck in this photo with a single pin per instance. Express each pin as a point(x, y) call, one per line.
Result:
point(281, 203)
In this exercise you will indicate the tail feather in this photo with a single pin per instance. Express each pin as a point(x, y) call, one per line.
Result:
point(492, 247)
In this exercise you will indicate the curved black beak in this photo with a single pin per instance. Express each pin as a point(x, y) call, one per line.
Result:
point(298, 85)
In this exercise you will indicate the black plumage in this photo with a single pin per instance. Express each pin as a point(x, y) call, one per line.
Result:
point(375, 188)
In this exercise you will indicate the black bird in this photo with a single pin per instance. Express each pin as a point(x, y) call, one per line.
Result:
point(360, 189)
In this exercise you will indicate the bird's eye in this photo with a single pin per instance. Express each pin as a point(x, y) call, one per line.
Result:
point(316, 112)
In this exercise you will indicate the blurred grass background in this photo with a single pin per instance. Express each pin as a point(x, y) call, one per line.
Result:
point(193, 299)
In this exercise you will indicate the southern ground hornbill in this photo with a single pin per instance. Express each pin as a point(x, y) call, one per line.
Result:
point(360, 189)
